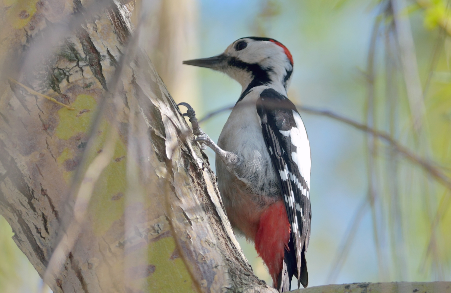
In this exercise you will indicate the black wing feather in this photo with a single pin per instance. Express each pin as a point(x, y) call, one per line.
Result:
point(276, 115)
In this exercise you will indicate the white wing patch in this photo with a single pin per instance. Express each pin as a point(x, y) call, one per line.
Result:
point(285, 132)
point(298, 208)
point(298, 184)
point(295, 228)
point(302, 155)
point(284, 174)
point(291, 199)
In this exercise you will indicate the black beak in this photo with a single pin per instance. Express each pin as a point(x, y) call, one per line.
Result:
point(215, 62)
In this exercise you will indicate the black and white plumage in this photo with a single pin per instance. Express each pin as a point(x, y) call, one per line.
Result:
point(263, 157)
point(289, 148)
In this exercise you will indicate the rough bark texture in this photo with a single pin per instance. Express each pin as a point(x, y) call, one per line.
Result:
point(117, 199)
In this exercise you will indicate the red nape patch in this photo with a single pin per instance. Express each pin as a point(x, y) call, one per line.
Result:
point(272, 238)
point(287, 52)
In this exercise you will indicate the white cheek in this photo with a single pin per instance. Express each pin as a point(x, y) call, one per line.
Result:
point(243, 77)
point(253, 54)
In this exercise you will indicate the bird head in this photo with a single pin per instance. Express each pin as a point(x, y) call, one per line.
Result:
point(252, 61)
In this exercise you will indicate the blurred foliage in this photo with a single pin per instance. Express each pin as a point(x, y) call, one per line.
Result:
point(9, 279)
point(413, 205)
point(410, 207)
point(16, 272)
point(268, 11)
point(437, 14)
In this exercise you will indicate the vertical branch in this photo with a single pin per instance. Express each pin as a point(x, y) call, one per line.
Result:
point(372, 144)
point(433, 250)
point(395, 213)
point(443, 207)
point(409, 63)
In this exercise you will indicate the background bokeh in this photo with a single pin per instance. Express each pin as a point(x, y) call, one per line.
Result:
point(376, 216)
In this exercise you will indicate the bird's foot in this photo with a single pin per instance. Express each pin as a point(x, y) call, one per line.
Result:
point(200, 136)
point(229, 158)
point(191, 114)
point(204, 140)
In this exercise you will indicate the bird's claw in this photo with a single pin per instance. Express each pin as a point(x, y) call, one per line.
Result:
point(191, 114)
point(200, 136)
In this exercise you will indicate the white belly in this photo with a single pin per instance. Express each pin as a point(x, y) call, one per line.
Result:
point(257, 183)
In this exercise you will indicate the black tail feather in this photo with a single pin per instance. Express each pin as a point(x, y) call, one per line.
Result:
point(289, 268)
point(284, 280)
point(303, 279)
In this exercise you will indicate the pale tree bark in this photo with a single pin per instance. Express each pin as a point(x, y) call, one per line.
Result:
point(111, 195)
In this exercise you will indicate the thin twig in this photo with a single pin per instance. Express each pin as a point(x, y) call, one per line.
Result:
point(397, 242)
point(434, 61)
point(409, 63)
point(214, 113)
point(83, 197)
point(372, 145)
point(409, 155)
point(442, 209)
point(33, 92)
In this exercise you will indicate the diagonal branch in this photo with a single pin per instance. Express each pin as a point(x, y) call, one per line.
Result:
point(429, 167)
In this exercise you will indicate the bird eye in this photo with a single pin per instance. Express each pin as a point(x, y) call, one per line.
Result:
point(240, 45)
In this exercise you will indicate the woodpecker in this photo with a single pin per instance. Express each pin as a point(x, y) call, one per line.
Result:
point(263, 157)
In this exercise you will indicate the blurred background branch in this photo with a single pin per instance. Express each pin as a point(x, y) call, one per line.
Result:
point(434, 169)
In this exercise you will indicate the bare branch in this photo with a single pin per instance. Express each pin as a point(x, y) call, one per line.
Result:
point(409, 63)
point(427, 166)
point(372, 143)
point(431, 168)
point(392, 167)
point(33, 92)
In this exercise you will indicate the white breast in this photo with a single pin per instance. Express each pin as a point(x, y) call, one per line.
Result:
point(242, 135)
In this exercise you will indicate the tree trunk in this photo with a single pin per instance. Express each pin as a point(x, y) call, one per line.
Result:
point(112, 195)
